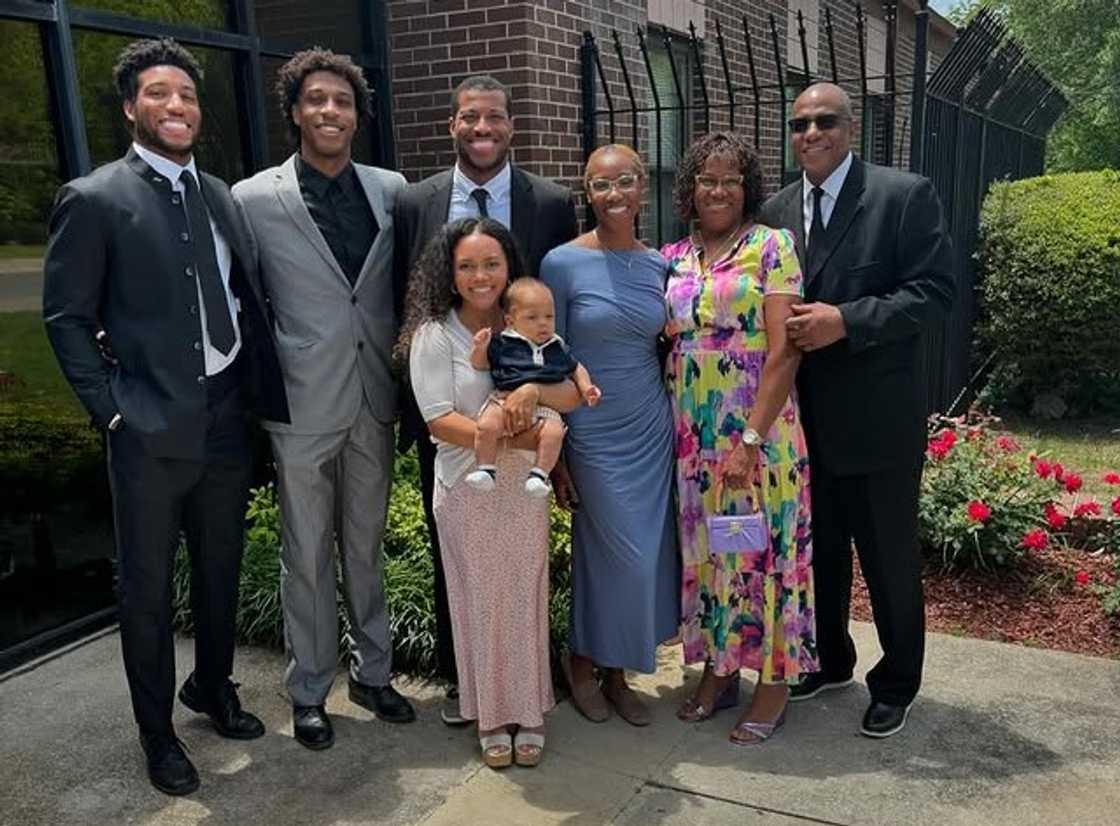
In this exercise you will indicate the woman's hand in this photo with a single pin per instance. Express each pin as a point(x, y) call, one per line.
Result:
point(519, 407)
point(564, 488)
point(737, 469)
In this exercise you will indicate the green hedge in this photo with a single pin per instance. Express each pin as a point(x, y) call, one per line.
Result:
point(1049, 270)
point(408, 576)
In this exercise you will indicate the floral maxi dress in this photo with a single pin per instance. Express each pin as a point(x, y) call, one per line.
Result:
point(738, 611)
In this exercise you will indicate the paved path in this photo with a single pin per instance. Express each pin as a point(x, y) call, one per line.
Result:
point(21, 284)
point(1001, 735)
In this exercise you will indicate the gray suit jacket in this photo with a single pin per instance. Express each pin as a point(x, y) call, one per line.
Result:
point(334, 341)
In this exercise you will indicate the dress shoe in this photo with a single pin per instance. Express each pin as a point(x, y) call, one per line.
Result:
point(813, 684)
point(169, 770)
point(450, 712)
point(384, 701)
point(883, 719)
point(224, 711)
point(313, 727)
point(628, 703)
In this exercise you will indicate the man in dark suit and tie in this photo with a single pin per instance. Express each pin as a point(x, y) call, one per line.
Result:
point(151, 253)
point(878, 270)
point(539, 214)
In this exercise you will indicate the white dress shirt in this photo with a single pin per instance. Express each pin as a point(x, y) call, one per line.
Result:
point(216, 360)
point(497, 201)
point(831, 186)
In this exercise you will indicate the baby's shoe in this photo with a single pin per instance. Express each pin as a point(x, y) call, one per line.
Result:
point(482, 479)
point(536, 484)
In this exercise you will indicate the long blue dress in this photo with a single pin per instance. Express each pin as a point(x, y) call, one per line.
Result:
point(610, 306)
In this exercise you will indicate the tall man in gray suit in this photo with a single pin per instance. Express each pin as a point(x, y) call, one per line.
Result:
point(539, 214)
point(322, 232)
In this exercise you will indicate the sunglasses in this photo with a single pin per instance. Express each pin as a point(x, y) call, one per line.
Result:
point(823, 122)
point(626, 182)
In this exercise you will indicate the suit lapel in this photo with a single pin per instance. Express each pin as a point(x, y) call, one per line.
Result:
point(287, 191)
point(522, 212)
point(376, 197)
point(847, 207)
point(436, 207)
point(793, 217)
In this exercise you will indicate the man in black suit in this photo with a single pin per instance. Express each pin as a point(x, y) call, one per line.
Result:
point(878, 270)
point(149, 256)
point(539, 214)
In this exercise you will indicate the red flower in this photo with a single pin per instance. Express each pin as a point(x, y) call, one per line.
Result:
point(1054, 517)
point(1035, 540)
point(1087, 508)
point(1116, 506)
point(1043, 469)
point(978, 511)
point(1111, 478)
point(1082, 577)
point(948, 438)
point(941, 444)
point(1072, 482)
point(1007, 444)
point(1059, 471)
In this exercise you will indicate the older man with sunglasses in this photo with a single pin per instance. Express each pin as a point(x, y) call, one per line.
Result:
point(878, 269)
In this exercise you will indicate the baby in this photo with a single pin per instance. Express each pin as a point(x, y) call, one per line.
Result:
point(526, 351)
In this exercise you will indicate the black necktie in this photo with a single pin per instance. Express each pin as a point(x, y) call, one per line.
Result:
point(480, 195)
point(219, 325)
point(815, 247)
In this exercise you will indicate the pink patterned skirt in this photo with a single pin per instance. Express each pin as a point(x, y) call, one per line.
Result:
point(494, 547)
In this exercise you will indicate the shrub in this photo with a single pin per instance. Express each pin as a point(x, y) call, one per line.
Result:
point(408, 577)
point(1049, 275)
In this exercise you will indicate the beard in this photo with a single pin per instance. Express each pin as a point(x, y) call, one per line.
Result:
point(149, 138)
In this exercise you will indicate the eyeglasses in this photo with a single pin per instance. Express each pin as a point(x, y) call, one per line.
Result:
point(823, 122)
point(626, 182)
point(712, 181)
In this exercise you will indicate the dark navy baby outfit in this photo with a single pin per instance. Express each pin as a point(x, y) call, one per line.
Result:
point(515, 360)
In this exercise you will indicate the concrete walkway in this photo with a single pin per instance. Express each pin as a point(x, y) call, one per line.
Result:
point(1001, 735)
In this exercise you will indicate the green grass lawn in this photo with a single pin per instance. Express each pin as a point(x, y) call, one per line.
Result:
point(22, 250)
point(26, 354)
point(1088, 446)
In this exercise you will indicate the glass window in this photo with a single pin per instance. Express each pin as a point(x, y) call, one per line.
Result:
point(56, 543)
point(219, 149)
point(333, 24)
point(674, 135)
point(211, 14)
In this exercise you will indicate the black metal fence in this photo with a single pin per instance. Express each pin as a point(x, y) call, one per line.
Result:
point(981, 115)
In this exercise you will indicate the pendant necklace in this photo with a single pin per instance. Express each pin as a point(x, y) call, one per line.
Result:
point(721, 248)
point(627, 262)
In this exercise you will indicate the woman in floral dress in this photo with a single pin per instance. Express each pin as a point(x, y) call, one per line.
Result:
point(738, 433)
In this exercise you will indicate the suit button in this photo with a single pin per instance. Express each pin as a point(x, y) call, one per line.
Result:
point(202, 379)
point(198, 345)
point(175, 199)
point(194, 309)
point(184, 236)
point(189, 272)
point(361, 344)
point(353, 299)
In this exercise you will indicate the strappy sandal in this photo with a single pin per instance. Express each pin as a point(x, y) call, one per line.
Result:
point(497, 750)
point(586, 697)
point(692, 711)
point(751, 733)
point(528, 747)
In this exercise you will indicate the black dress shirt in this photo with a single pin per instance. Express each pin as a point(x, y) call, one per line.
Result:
point(339, 207)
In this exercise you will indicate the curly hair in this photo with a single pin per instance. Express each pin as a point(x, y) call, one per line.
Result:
point(728, 144)
point(289, 83)
point(144, 54)
point(431, 284)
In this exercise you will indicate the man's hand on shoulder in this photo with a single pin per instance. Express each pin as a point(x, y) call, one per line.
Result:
point(815, 325)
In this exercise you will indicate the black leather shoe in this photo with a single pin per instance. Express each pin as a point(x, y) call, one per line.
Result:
point(384, 701)
point(224, 711)
point(813, 684)
point(883, 719)
point(169, 770)
point(313, 727)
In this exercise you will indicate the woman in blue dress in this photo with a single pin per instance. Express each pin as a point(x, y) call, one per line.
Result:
point(617, 472)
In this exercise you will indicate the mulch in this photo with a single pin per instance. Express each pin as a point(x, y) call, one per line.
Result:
point(1040, 603)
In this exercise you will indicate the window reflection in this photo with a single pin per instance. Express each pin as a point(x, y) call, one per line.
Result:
point(213, 14)
point(333, 24)
point(218, 150)
point(56, 546)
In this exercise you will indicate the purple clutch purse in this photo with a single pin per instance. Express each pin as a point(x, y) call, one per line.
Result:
point(745, 533)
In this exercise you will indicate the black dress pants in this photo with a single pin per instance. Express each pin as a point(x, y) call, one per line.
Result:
point(445, 643)
point(880, 512)
point(153, 499)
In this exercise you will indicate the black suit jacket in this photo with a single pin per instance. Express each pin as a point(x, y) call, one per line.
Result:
point(115, 261)
point(542, 217)
point(888, 266)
